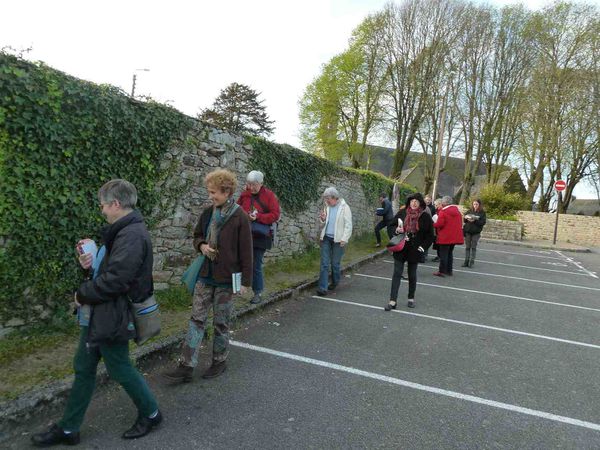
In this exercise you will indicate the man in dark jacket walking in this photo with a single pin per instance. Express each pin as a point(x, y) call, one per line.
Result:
point(387, 219)
point(123, 274)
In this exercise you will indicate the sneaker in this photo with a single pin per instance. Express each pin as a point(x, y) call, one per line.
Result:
point(438, 274)
point(378, 245)
point(54, 436)
point(181, 374)
point(256, 299)
point(411, 303)
point(321, 292)
point(216, 369)
point(435, 259)
point(331, 287)
point(143, 426)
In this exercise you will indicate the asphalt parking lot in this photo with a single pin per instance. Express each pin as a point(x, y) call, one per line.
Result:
point(503, 355)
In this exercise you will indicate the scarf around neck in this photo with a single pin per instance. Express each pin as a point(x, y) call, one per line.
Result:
point(412, 220)
point(220, 216)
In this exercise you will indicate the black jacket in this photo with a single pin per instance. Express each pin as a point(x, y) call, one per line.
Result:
point(387, 215)
point(422, 238)
point(125, 273)
point(476, 226)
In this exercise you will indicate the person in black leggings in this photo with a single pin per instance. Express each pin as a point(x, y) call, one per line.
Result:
point(418, 228)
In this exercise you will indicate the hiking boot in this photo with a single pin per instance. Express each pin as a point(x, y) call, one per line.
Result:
point(256, 299)
point(54, 436)
point(181, 374)
point(143, 426)
point(215, 370)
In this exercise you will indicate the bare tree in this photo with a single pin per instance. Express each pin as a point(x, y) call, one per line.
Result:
point(419, 35)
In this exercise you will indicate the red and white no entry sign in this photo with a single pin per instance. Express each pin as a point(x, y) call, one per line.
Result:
point(560, 185)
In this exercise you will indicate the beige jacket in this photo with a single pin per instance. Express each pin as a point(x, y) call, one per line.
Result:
point(343, 223)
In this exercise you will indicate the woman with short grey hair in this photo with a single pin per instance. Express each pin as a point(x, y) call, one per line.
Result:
point(336, 219)
point(262, 206)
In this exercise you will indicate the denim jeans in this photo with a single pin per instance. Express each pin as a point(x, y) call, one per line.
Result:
point(331, 255)
point(258, 284)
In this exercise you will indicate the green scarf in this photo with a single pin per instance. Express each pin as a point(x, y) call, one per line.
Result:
point(220, 216)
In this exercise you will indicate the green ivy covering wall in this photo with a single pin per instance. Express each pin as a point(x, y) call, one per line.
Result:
point(296, 176)
point(61, 138)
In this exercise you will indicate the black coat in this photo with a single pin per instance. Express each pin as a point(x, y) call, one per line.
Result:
point(387, 215)
point(422, 238)
point(124, 274)
point(476, 226)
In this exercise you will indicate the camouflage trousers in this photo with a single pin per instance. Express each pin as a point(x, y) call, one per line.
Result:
point(221, 299)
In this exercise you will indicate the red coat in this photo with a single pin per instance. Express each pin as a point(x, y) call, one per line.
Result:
point(269, 202)
point(449, 226)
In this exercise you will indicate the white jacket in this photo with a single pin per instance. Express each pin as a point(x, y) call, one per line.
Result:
point(343, 223)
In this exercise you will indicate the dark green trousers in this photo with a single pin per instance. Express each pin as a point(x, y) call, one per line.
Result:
point(119, 368)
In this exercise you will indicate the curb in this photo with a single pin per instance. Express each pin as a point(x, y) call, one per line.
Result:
point(543, 246)
point(55, 394)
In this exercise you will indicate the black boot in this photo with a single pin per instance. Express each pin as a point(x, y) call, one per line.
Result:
point(467, 257)
point(54, 436)
point(215, 370)
point(472, 259)
point(142, 426)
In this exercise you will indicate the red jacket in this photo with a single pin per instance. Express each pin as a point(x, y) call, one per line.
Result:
point(268, 208)
point(449, 226)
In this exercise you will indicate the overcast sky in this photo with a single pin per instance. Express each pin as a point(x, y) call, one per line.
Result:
point(193, 48)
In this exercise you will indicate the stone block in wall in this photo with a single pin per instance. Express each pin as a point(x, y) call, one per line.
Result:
point(162, 275)
point(177, 260)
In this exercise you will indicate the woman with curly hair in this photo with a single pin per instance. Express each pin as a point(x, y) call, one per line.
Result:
point(223, 236)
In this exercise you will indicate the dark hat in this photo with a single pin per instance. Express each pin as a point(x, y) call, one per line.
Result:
point(416, 196)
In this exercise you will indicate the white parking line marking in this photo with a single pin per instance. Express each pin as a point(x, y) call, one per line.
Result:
point(526, 267)
point(479, 249)
point(473, 272)
point(566, 305)
point(421, 387)
point(572, 261)
point(470, 324)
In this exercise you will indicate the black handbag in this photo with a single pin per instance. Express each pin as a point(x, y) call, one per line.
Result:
point(261, 229)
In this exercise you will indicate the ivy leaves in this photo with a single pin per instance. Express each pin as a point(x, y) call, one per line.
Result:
point(61, 138)
point(296, 176)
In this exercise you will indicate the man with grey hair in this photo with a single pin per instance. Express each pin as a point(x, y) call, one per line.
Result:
point(449, 233)
point(262, 207)
point(120, 274)
point(336, 219)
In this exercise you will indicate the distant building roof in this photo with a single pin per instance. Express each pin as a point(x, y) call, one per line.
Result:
point(584, 207)
point(450, 180)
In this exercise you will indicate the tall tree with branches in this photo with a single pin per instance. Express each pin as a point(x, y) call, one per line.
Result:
point(238, 109)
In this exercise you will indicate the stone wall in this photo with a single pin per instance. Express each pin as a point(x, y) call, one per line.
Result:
point(502, 229)
point(206, 149)
point(582, 230)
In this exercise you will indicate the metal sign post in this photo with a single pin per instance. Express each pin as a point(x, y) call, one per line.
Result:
point(559, 186)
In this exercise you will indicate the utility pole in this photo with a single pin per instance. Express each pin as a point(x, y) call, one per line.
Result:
point(134, 80)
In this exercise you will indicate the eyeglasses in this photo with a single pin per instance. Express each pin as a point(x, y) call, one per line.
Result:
point(102, 205)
